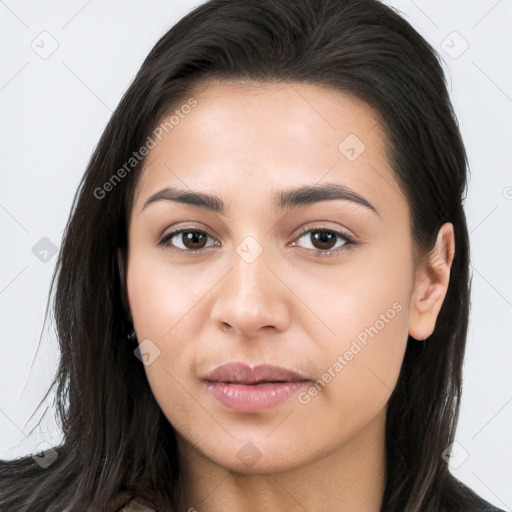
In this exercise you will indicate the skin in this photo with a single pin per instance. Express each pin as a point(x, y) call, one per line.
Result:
point(291, 306)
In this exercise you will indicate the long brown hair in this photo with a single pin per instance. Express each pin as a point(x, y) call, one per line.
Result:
point(115, 436)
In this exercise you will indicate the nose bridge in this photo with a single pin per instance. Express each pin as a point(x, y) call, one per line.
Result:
point(250, 297)
point(250, 275)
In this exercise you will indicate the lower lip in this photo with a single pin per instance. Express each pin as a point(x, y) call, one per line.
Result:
point(252, 398)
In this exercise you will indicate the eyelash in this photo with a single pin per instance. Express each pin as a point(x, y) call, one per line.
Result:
point(349, 241)
point(325, 253)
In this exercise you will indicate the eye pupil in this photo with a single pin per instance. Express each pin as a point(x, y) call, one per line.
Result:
point(326, 239)
point(193, 239)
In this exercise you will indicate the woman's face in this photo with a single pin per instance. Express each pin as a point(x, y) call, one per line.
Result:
point(278, 269)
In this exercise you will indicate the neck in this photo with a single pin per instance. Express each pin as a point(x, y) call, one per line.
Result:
point(351, 477)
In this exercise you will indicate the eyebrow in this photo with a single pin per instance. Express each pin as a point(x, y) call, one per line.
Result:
point(200, 199)
point(282, 200)
point(309, 194)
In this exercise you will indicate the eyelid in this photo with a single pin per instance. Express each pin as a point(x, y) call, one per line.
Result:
point(349, 241)
point(165, 239)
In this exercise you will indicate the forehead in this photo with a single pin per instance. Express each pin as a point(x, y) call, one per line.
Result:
point(265, 136)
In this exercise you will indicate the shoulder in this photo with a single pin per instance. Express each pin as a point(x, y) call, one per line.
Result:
point(460, 498)
point(23, 481)
point(481, 505)
point(137, 504)
point(484, 506)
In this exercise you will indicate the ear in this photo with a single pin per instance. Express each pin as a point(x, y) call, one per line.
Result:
point(431, 284)
point(121, 265)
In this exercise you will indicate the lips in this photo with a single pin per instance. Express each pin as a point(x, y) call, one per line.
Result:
point(249, 374)
point(252, 388)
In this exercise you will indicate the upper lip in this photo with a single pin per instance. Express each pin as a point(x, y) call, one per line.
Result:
point(242, 373)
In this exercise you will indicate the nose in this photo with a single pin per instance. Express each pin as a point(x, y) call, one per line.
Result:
point(251, 299)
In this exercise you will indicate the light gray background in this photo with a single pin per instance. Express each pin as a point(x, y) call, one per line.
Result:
point(54, 108)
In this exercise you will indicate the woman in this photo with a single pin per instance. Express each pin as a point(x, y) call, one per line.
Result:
point(262, 294)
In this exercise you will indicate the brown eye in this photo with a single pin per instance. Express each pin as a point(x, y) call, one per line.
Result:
point(188, 240)
point(324, 240)
point(193, 239)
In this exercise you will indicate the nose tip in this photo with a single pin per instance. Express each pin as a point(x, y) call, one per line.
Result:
point(250, 300)
point(247, 329)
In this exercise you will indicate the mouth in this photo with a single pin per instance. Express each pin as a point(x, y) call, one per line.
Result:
point(255, 383)
point(251, 374)
point(252, 388)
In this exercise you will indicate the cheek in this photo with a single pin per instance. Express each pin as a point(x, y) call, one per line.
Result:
point(366, 310)
point(167, 305)
point(161, 296)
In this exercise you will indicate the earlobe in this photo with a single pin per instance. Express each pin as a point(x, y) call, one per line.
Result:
point(431, 284)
